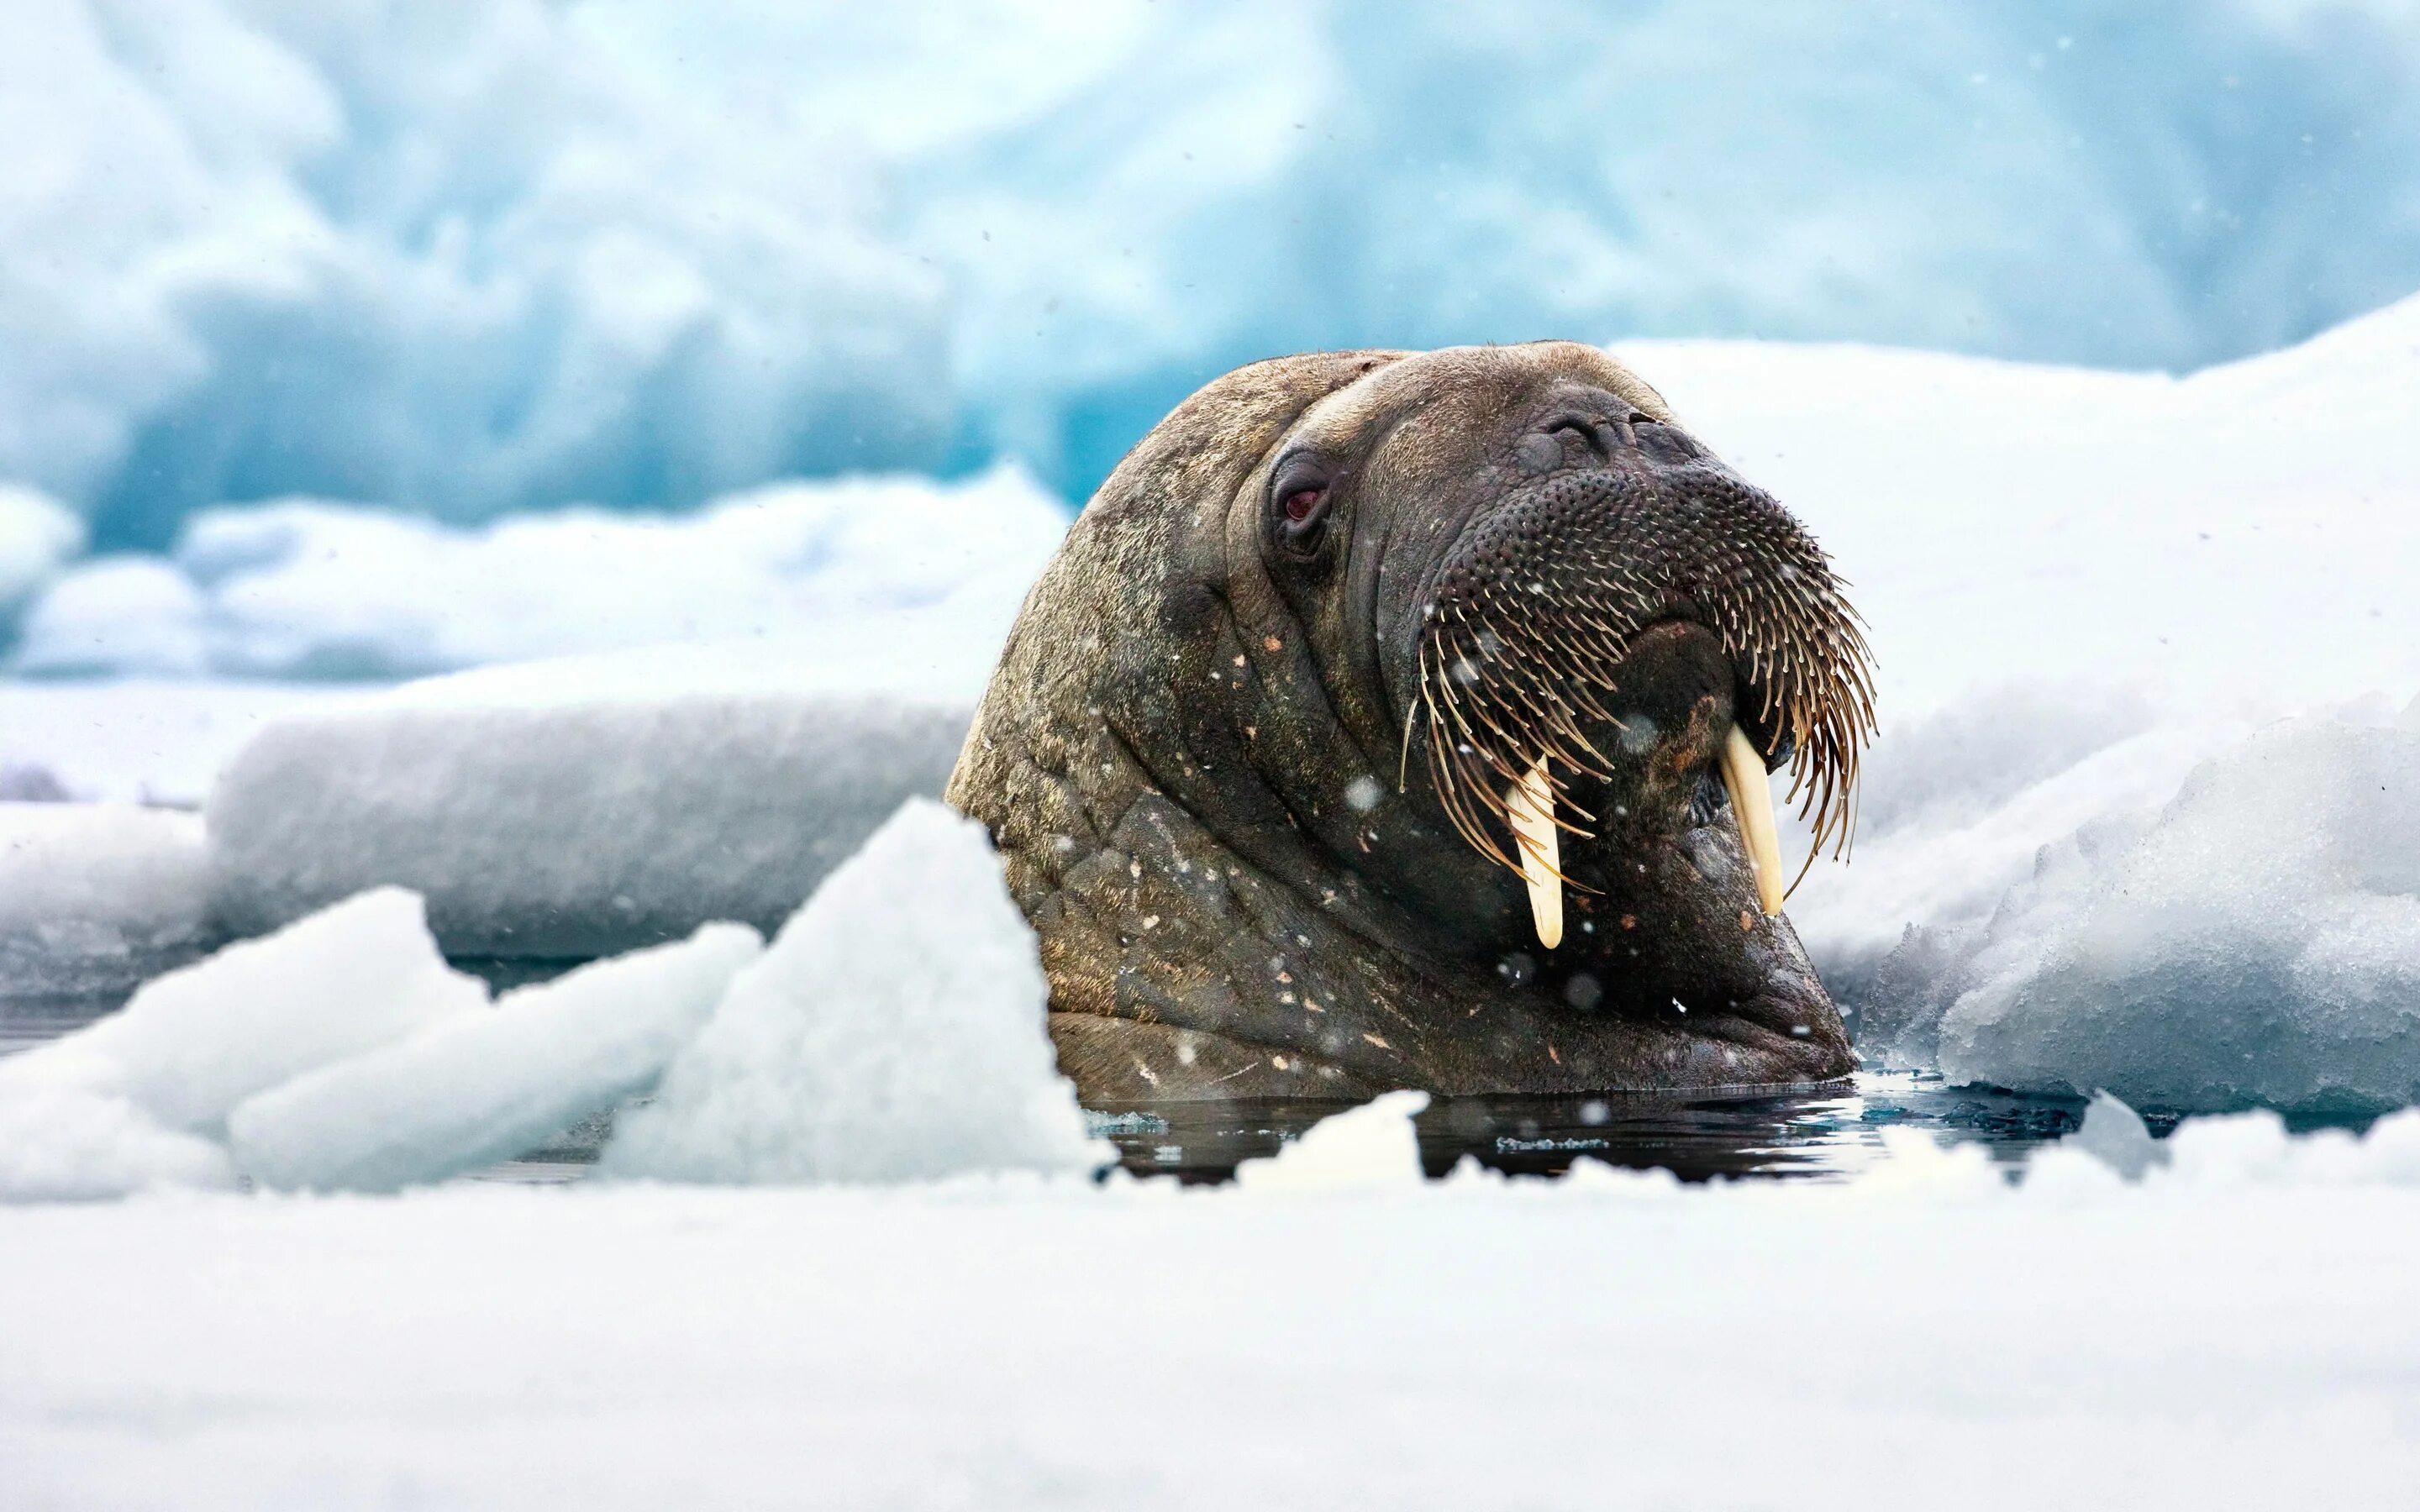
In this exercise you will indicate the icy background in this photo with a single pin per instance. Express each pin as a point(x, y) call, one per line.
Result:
point(476, 259)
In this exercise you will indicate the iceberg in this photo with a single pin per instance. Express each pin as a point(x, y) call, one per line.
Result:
point(313, 589)
point(562, 833)
point(484, 261)
point(193, 1044)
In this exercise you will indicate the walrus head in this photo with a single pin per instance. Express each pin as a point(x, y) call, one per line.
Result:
point(1396, 719)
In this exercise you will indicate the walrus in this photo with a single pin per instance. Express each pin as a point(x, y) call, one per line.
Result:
point(1396, 719)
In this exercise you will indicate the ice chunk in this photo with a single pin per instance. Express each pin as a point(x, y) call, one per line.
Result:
point(71, 1144)
point(2257, 942)
point(1372, 1145)
point(195, 1042)
point(95, 898)
point(2116, 1135)
point(573, 831)
point(894, 1031)
point(475, 1089)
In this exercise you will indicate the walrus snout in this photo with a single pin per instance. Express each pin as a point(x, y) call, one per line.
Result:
point(1631, 615)
point(1333, 602)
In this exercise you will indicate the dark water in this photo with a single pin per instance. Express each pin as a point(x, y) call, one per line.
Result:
point(1791, 1136)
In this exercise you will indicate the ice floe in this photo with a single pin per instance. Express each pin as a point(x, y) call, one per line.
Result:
point(893, 1030)
point(2256, 940)
point(476, 1088)
point(570, 832)
point(119, 1105)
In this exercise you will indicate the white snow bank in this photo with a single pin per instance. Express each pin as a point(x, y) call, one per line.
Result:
point(193, 1044)
point(2255, 941)
point(305, 588)
point(95, 898)
point(2226, 1338)
point(566, 832)
point(1372, 1145)
point(894, 1031)
point(475, 1089)
point(2081, 586)
point(37, 534)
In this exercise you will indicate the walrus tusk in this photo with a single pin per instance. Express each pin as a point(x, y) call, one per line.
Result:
point(1751, 794)
point(1531, 808)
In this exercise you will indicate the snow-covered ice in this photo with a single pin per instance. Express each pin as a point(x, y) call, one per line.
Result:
point(475, 1089)
point(303, 588)
point(893, 1030)
point(96, 898)
point(566, 832)
point(2255, 941)
point(193, 1044)
point(2231, 1331)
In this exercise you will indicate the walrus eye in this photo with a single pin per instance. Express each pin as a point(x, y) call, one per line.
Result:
point(1299, 497)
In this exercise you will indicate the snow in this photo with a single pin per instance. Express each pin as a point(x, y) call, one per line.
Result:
point(2224, 1332)
point(2258, 941)
point(141, 740)
point(2081, 587)
point(566, 832)
point(96, 898)
point(893, 1030)
point(527, 254)
point(476, 1088)
point(193, 1044)
point(71, 1144)
point(303, 588)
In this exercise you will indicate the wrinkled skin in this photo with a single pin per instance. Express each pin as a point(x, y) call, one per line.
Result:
point(1190, 755)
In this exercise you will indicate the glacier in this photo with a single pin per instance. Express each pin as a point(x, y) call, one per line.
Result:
point(465, 262)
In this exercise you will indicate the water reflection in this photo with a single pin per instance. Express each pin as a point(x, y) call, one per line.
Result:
point(1797, 1135)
